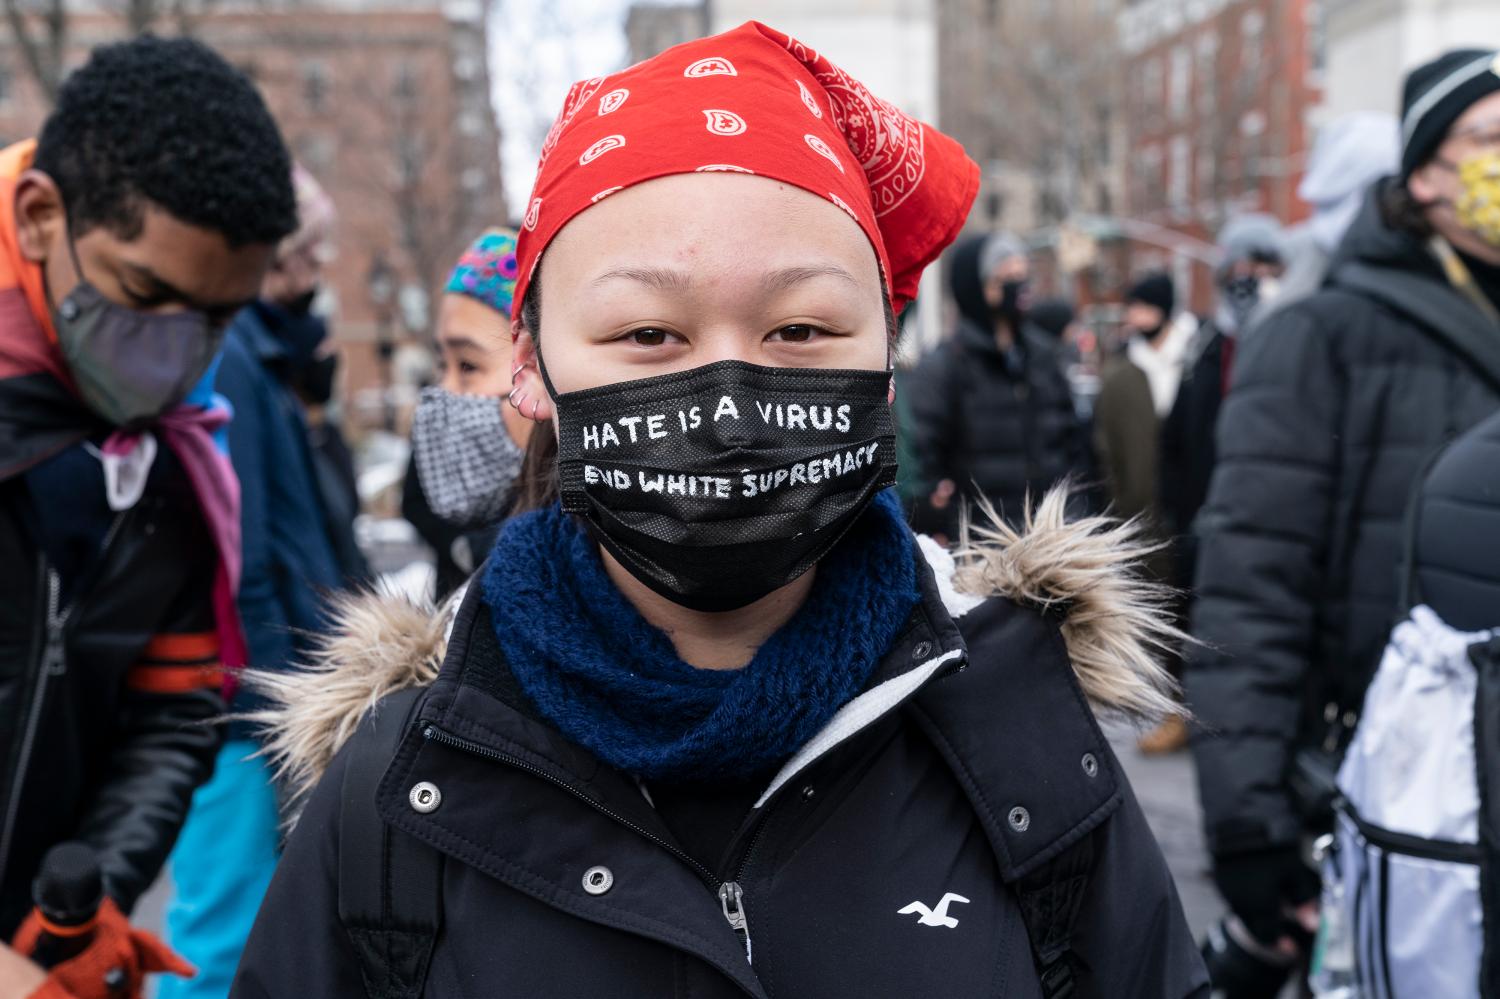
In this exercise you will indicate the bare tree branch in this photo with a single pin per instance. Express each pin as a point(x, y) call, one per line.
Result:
point(44, 55)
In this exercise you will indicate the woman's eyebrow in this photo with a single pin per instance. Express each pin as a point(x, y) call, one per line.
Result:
point(461, 341)
point(660, 278)
point(666, 279)
point(787, 277)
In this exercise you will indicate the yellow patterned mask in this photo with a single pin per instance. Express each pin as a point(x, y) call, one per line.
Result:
point(1478, 206)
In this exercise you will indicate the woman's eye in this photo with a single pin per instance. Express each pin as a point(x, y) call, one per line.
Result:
point(647, 337)
point(796, 333)
point(466, 368)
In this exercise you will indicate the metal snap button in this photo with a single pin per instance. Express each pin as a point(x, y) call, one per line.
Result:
point(598, 880)
point(1090, 765)
point(1019, 819)
point(808, 792)
point(68, 309)
point(922, 650)
point(425, 797)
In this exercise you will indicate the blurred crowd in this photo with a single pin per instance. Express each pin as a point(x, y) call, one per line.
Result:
point(1313, 462)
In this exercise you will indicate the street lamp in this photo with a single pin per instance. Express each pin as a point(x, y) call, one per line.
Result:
point(381, 285)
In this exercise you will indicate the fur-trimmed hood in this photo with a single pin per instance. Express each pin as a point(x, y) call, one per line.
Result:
point(1114, 624)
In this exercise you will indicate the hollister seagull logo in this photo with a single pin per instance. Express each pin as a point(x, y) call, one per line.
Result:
point(935, 917)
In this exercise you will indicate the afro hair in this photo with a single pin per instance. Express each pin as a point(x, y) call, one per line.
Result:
point(167, 122)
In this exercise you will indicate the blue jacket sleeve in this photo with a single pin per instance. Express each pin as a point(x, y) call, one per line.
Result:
point(243, 381)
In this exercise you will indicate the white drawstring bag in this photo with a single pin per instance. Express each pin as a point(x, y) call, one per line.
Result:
point(1407, 845)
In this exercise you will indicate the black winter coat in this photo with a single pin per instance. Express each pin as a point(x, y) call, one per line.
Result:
point(1336, 404)
point(105, 712)
point(1000, 427)
point(911, 794)
point(1455, 533)
point(1188, 451)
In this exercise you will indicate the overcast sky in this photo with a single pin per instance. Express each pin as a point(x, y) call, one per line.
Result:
point(537, 49)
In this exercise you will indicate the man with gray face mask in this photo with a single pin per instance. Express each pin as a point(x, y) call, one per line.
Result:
point(131, 231)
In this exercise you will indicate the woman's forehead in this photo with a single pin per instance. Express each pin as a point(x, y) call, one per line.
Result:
point(692, 227)
point(467, 318)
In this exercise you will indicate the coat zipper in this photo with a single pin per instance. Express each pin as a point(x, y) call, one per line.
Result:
point(54, 662)
point(729, 893)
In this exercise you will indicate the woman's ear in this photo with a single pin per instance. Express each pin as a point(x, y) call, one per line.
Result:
point(528, 393)
point(39, 215)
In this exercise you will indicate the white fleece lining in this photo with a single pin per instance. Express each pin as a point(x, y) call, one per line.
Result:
point(855, 715)
point(943, 569)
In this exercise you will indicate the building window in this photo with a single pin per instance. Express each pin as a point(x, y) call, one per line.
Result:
point(315, 85)
point(1151, 185)
point(1179, 175)
point(470, 123)
point(1180, 82)
point(1317, 35)
point(1152, 92)
point(1252, 146)
point(406, 82)
point(1208, 72)
point(411, 157)
point(1252, 40)
point(1208, 177)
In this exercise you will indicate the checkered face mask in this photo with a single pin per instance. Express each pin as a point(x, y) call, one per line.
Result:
point(465, 458)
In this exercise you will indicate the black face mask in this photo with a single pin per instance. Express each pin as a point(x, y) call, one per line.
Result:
point(717, 485)
point(1012, 303)
point(316, 380)
point(303, 303)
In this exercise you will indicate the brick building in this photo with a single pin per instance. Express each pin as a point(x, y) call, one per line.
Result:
point(387, 102)
point(1217, 101)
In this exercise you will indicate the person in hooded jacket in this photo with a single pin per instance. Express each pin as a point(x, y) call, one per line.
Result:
point(717, 724)
point(993, 418)
point(1336, 404)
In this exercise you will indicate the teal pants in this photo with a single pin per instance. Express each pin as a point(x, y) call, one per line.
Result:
point(220, 868)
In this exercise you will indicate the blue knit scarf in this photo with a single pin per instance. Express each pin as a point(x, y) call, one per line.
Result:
point(613, 683)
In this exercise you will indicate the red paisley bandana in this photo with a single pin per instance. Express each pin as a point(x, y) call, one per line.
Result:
point(754, 101)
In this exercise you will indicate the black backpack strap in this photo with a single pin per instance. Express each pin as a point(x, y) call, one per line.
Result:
point(389, 883)
point(1051, 898)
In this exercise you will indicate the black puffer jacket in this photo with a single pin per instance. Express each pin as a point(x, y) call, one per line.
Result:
point(105, 630)
point(999, 426)
point(1455, 533)
point(1335, 406)
point(970, 760)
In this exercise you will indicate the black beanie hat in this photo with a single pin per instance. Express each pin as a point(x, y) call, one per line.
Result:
point(1436, 93)
point(1153, 289)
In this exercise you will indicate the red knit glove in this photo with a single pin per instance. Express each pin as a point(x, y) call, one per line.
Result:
point(114, 965)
